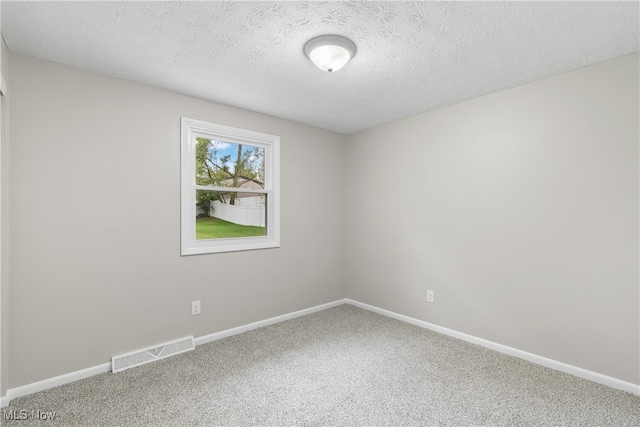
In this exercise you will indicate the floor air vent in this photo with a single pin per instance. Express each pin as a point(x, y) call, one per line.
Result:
point(151, 354)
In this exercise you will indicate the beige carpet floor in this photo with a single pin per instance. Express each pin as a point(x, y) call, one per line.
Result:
point(343, 366)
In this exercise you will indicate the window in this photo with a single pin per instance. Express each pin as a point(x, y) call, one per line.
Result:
point(230, 189)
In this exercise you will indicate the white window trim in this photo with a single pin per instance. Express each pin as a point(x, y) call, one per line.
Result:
point(191, 128)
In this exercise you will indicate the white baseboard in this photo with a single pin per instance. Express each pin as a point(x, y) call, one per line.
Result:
point(559, 366)
point(533, 358)
point(106, 367)
point(240, 329)
point(24, 390)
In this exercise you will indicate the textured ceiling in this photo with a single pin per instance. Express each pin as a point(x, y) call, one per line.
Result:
point(412, 56)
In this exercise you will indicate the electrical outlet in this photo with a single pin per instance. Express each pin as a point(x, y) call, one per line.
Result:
point(430, 296)
point(195, 308)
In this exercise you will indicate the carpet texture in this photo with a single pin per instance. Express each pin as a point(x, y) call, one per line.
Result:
point(343, 366)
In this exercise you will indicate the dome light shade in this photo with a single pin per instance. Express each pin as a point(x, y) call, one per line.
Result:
point(330, 53)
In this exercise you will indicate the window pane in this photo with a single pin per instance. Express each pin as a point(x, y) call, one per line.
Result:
point(228, 164)
point(218, 164)
point(223, 215)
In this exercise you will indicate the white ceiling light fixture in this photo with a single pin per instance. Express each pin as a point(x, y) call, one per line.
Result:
point(330, 52)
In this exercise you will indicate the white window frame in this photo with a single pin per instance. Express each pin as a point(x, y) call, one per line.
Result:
point(190, 129)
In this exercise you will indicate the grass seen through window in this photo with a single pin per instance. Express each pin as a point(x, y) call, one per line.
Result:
point(215, 228)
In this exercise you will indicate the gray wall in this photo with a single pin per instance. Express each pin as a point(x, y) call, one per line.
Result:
point(519, 209)
point(95, 234)
point(4, 222)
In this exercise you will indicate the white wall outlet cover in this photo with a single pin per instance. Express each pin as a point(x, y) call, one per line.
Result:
point(195, 308)
point(429, 296)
